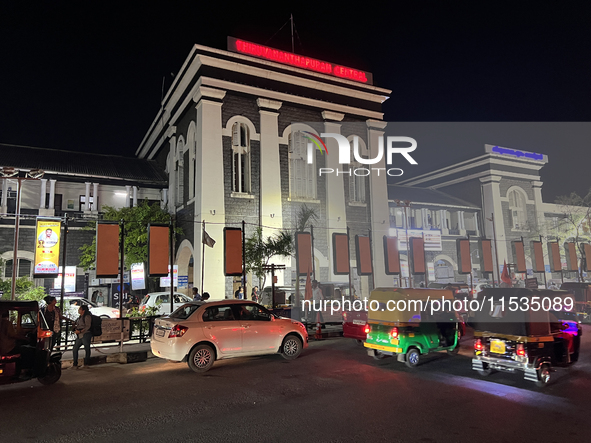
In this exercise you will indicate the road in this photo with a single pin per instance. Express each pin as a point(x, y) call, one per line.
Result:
point(333, 392)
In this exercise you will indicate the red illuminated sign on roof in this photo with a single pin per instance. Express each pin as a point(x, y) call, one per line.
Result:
point(298, 61)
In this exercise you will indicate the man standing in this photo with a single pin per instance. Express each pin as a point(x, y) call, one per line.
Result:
point(196, 296)
point(255, 294)
point(239, 294)
point(317, 298)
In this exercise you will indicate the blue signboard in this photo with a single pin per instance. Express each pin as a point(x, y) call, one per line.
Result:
point(183, 281)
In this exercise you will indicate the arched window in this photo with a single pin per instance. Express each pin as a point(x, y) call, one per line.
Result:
point(357, 181)
point(180, 173)
point(302, 177)
point(240, 158)
point(518, 210)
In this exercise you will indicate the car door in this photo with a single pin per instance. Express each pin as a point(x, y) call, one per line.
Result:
point(261, 333)
point(221, 326)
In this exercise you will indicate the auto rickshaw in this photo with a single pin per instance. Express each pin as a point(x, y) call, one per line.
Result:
point(582, 293)
point(515, 334)
point(411, 329)
point(32, 357)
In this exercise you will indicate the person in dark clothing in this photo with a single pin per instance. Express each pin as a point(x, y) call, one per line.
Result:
point(82, 330)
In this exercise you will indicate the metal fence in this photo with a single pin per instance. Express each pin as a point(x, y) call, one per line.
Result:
point(140, 328)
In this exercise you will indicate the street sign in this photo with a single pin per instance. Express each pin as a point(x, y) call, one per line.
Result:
point(531, 283)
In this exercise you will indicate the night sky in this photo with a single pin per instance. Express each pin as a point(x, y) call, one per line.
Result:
point(87, 76)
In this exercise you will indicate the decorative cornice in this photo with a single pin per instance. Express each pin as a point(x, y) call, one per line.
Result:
point(331, 115)
point(269, 104)
point(376, 124)
point(204, 91)
point(491, 179)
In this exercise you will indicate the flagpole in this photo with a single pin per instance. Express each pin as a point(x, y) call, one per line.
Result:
point(203, 257)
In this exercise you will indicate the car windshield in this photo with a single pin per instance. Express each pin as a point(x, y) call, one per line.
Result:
point(185, 311)
point(145, 299)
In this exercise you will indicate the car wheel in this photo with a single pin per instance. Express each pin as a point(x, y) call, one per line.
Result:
point(201, 358)
point(53, 374)
point(486, 370)
point(291, 347)
point(413, 356)
point(543, 375)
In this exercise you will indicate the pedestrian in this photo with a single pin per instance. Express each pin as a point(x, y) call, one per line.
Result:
point(196, 295)
point(100, 300)
point(317, 298)
point(205, 296)
point(82, 330)
point(53, 317)
point(255, 294)
point(239, 294)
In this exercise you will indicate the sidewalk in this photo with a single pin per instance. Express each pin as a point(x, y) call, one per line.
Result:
point(131, 353)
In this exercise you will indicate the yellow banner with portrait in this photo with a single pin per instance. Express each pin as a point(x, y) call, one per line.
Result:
point(47, 247)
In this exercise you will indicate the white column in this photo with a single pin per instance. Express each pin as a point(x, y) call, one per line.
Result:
point(164, 200)
point(491, 197)
point(127, 195)
point(51, 194)
point(42, 193)
point(336, 214)
point(476, 226)
point(134, 196)
point(378, 196)
point(540, 219)
point(87, 197)
point(95, 196)
point(4, 195)
point(443, 219)
point(209, 200)
point(271, 213)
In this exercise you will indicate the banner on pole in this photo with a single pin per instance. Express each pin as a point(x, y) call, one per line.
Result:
point(417, 254)
point(486, 257)
point(340, 253)
point(554, 256)
point(464, 258)
point(587, 251)
point(158, 250)
point(537, 256)
point(232, 251)
point(391, 255)
point(570, 250)
point(303, 246)
point(107, 250)
point(519, 255)
point(47, 250)
point(363, 255)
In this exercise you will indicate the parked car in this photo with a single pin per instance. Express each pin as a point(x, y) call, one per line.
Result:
point(162, 300)
point(479, 287)
point(200, 333)
point(354, 325)
point(71, 305)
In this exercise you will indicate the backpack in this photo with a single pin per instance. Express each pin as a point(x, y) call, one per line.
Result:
point(96, 325)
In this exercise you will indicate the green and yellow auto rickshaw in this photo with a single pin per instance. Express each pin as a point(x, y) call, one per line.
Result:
point(408, 323)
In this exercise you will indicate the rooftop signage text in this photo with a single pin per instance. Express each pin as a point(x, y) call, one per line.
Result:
point(298, 61)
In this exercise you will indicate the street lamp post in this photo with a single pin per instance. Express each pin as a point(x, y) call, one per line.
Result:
point(406, 204)
point(33, 174)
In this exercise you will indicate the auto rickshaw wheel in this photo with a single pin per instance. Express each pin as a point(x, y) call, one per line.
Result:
point(53, 374)
point(377, 355)
point(544, 375)
point(486, 370)
point(413, 356)
point(454, 351)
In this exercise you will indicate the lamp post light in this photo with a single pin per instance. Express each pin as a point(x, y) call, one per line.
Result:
point(406, 204)
point(32, 174)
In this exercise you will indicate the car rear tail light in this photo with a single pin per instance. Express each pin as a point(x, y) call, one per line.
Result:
point(115, 312)
point(394, 333)
point(45, 334)
point(177, 331)
point(520, 350)
point(366, 329)
point(344, 316)
point(478, 346)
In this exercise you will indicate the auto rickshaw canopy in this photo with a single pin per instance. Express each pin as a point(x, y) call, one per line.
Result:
point(414, 304)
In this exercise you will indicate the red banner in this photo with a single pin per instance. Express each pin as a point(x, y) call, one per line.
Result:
point(391, 255)
point(340, 253)
point(158, 250)
point(232, 251)
point(519, 255)
point(303, 246)
point(417, 251)
point(363, 250)
point(464, 259)
point(107, 250)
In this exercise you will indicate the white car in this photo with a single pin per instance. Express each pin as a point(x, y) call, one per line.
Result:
point(72, 304)
point(200, 333)
point(162, 300)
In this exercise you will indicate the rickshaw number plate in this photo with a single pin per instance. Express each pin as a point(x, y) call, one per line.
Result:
point(160, 332)
point(497, 346)
point(359, 322)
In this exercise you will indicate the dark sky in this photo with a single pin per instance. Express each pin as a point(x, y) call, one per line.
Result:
point(87, 76)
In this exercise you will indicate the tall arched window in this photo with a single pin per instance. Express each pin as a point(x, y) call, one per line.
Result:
point(240, 158)
point(302, 177)
point(518, 210)
point(180, 173)
point(357, 181)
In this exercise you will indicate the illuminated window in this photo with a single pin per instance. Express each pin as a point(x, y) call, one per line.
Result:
point(240, 158)
point(517, 209)
point(302, 177)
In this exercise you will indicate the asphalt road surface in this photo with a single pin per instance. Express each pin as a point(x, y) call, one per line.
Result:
point(333, 392)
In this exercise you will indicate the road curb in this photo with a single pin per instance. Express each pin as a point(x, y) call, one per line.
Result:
point(117, 357)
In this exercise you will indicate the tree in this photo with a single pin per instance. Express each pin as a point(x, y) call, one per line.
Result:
point(135, 221)
point(24, 288)
point(574, 225)
point(258, 251)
